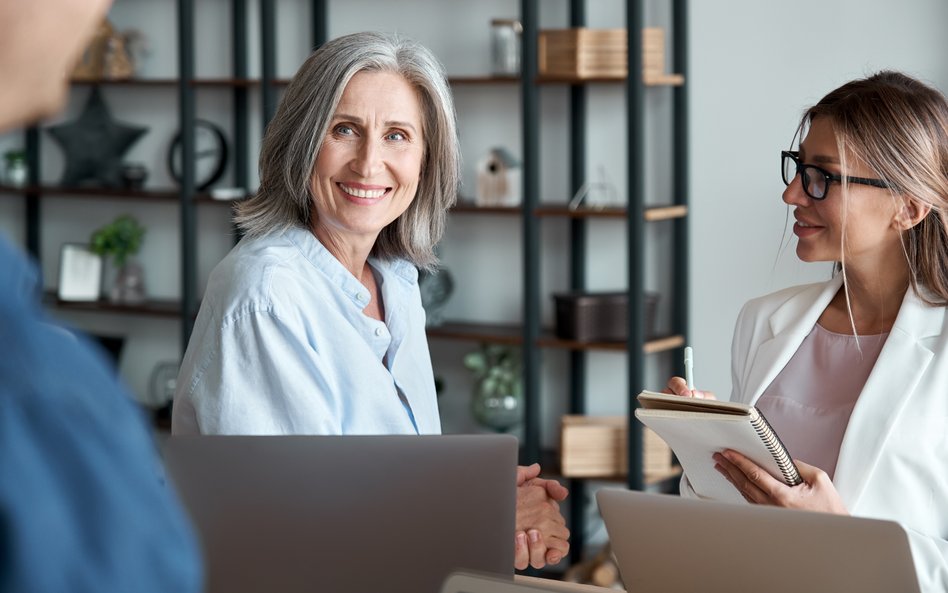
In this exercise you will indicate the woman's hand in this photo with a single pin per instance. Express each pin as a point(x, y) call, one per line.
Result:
point(816, 493)
point(541, 534)
point(678, 386)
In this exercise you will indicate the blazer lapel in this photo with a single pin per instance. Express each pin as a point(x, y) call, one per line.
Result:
point(789, 325)
point(890, 386)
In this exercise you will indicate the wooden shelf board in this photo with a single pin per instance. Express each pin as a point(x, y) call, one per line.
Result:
point(472, 208)
point(170, 82)
point(107, 193)
point(657, 213)
point(650, 347)
point(663, 344)
point(546, 79)
point(664, 80)
point(152, 307)
point(484, 79)
point(478, 332)
point(581, 212)
point(513, 334)
point(550, 464)
point(651, 81)
point(652, 213)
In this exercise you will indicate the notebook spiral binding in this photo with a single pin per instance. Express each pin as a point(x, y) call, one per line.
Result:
point(777, 450)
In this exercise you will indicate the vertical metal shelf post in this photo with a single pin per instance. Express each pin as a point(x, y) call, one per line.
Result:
point(635, 103)
point(268, 59)
point(32, 146)
point(241, 98)
point(320, 22)
point(531, 234)
point(577, 259)
point(186, 192)
point(681, 168)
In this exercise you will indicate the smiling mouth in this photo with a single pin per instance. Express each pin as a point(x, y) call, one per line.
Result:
point(372, 194)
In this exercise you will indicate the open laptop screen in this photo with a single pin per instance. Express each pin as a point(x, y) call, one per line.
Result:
point(347, 514)
point(670, 544)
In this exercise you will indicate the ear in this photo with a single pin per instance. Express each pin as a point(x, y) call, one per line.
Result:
point(911, 212)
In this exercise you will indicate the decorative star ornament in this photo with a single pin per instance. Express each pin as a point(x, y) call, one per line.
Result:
point(94, 145)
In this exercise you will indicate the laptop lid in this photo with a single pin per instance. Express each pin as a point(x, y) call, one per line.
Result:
point(463, 582)
point(346, 514)
point(675, 545)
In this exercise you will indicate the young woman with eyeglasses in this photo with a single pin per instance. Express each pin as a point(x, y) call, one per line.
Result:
point(853, 373)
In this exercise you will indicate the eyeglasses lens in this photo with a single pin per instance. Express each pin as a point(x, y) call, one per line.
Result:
point(789, 169)
point(814, 182)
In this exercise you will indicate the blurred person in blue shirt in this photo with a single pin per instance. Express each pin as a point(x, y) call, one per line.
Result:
point(83, 506)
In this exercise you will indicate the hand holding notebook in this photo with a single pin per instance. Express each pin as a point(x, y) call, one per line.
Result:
point(695, 429)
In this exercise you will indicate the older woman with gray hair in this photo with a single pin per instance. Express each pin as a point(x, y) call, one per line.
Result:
point(313, 323)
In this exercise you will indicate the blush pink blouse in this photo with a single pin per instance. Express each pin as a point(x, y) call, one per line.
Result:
point(809, 403)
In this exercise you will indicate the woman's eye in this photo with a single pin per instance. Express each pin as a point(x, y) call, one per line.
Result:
point(344, 130)
point(395, 136)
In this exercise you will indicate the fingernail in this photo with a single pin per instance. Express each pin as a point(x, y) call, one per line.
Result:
point(534, 535)
point(554, 559)
point(521, 539)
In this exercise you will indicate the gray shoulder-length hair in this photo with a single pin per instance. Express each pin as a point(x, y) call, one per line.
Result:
point(293, 139)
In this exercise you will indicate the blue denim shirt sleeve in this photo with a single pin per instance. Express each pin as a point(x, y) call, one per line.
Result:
point(83, 505)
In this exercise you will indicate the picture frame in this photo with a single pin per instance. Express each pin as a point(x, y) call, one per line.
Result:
point(80, 273)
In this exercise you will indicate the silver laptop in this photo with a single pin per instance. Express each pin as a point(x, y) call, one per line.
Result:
point(463, 582)
point(674, 545)
point(347, 514)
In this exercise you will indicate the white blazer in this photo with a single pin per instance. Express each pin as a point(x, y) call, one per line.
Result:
point(893, 461)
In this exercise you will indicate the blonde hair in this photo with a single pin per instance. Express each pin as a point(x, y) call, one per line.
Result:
point(898, 127)
point(293, 139)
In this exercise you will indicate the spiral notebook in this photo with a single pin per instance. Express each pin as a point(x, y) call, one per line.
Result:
point(696, 429)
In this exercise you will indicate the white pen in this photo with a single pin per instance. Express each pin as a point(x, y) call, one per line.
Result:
point(689, 368)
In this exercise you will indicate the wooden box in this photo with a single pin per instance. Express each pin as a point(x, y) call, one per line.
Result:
point(579, 53)
point(582, 53)
point(596, 447)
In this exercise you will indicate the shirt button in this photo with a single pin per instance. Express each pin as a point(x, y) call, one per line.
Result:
point(379, 331)
point(360, 297)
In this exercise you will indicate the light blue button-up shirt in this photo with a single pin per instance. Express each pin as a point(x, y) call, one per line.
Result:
point(281, 346)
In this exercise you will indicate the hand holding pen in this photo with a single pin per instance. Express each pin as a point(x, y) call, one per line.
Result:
point(685, 387)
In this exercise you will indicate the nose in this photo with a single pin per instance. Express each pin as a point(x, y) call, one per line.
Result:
point(794, 194)
point(367, 161)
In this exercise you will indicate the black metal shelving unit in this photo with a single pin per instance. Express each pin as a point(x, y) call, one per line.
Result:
point(637, 214)
point(640, 210)
point(185, 195)
point(530, 334)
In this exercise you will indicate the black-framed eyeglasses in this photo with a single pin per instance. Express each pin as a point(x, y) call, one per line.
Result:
point(816, 180)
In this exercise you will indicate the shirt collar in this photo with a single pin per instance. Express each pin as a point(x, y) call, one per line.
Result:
point(324, 261)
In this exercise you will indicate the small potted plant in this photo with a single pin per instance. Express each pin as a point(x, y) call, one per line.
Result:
point(16, 173)
point(497, 399)
point(120, 240)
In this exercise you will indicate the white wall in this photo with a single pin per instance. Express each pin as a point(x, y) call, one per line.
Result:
point(755, 66)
